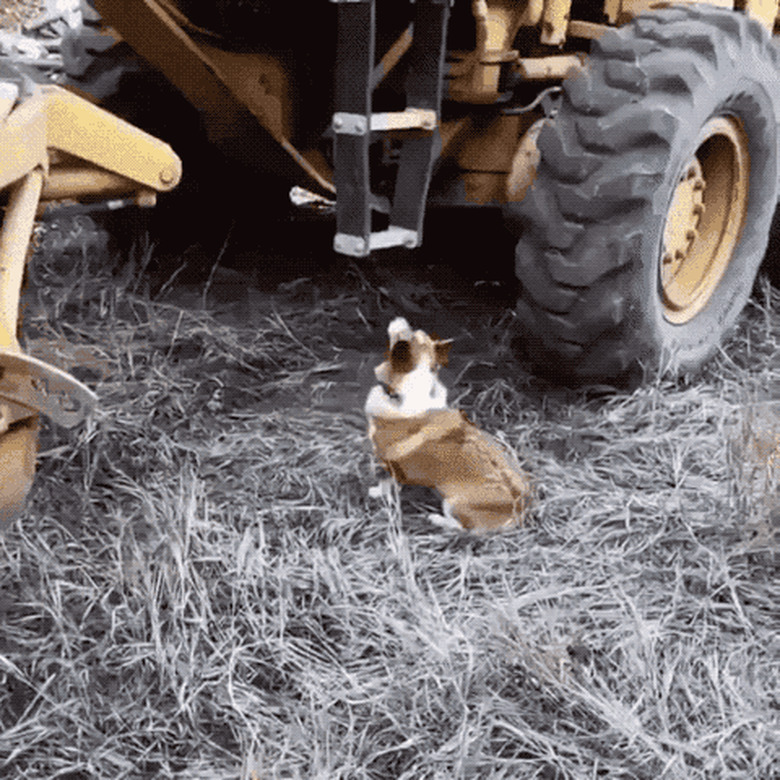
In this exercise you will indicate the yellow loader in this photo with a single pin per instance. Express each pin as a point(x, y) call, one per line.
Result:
point(54, 147)
point(631, 145)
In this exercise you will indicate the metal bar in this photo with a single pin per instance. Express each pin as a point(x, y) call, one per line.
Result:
point(81, 129)
point(14, 240)
point(392, 57)
point(23, 140)
point(556, 66)
point(555, 20)
point(589, 30)
point(355, 51)
point(43, 388)
point(409, 119)
point(84, 182)
point(423, 91)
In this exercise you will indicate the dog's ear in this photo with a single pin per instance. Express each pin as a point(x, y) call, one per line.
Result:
point(441, 350)
point(401, 357)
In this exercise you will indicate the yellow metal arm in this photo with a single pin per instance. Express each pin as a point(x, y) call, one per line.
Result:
point(53, 119)
point(54, 146)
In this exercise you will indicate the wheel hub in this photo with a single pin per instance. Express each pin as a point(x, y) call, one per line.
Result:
point(685, 212)
point(704, 219)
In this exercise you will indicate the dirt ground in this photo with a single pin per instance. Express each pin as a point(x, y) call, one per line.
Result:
point(202, 587)
point(14, 13)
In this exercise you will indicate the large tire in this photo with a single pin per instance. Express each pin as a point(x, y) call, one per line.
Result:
point(650, 213)
point(95, 63)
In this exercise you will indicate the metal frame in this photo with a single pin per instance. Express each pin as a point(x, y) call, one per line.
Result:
point(54, 145)
point(354, 121)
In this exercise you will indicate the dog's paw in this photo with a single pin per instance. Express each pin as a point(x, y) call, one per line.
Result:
point(445, 521)
point(384, 490)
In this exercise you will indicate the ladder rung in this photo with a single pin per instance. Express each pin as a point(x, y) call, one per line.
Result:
point(356, 246)
point(410, 119)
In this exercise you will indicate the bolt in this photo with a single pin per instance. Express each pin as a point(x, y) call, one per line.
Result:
point(691, 235)
point(167, 175)
point(410, 243)
point(698, 185)
point(338, 123)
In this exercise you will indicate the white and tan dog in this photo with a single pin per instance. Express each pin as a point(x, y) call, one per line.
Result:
point(422, 441)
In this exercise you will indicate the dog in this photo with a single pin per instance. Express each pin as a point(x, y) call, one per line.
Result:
point(420, 440)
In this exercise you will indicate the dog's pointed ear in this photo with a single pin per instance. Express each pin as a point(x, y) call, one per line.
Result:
point(442, 351)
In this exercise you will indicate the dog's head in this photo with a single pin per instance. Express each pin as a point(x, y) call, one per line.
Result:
point(408, 376)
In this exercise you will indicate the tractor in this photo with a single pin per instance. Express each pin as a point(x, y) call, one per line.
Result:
point(631, 146)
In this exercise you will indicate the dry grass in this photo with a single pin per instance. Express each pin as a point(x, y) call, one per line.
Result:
point(201, 587)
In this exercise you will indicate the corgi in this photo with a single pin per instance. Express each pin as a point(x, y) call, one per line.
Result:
point(420, 440)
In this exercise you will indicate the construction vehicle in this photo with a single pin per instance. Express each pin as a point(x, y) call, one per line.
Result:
point(55, 148)
point(631, 146)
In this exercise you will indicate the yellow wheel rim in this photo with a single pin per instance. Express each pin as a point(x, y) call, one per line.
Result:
point(705, 219)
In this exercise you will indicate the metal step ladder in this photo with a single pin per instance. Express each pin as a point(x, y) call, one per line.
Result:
point(354, 122)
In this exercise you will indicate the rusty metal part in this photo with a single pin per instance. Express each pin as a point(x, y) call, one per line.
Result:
point(704, 219)
point(408, 119)
point(492, 148)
